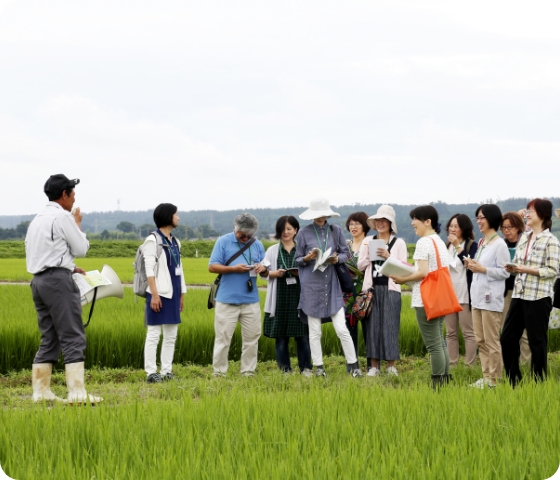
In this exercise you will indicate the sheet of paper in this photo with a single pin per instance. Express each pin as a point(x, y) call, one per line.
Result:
point(89, 281)
point(322, 258)
point(373, 246)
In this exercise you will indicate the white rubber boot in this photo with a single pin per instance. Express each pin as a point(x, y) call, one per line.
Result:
point(75, 382)
point(41, 381)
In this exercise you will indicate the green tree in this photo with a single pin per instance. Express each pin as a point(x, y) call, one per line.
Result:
point(126, 227)
point(145, 229)
point(21, 229)
point(105, 235)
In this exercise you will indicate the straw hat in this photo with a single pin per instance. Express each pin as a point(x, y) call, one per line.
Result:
point(557, 211)
point(318, 207)
point(384, 211)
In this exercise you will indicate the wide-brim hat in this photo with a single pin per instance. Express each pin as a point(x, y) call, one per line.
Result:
point(557, 211)
point(318, 207)
point(384, 211)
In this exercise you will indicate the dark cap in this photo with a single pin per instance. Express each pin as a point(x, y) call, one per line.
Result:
point(56, 184)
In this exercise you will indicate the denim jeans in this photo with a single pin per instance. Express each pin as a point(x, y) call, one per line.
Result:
point(283, 353)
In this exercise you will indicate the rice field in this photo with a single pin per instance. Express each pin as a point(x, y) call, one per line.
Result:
point(270, 426)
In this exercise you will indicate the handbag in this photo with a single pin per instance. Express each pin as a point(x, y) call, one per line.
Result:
point(438, 295)
point(344, 278)
point(554, 320)
point(216, 283)
point(363, 303)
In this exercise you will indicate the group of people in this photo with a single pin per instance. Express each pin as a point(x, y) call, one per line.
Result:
point(504, 286)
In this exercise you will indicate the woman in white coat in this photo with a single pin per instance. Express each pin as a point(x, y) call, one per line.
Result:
point(166, 287)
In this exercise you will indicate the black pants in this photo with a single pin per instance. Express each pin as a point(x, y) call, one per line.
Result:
point(59, 314)
point(533, 316)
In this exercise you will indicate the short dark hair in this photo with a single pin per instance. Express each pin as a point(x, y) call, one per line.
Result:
point(543, 208)
point(492, 213)
point(516, 221)
point(360, 217)
point(281, 224)
point(426, 212)
point(464, 223)
point(163, 214)
point(52, 196)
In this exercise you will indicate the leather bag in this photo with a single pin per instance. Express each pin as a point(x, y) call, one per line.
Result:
point(438, 295)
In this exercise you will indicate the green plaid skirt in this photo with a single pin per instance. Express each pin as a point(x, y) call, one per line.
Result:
point(285, 322)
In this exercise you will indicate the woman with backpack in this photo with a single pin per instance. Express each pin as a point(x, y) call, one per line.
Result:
point(383, 324)
point(164, 296)
point(460, 244)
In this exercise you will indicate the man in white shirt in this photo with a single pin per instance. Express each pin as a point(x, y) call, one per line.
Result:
point(54, 239)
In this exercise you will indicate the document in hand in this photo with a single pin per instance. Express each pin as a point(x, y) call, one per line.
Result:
point(373, 246)
point(89, 281)
point(321, 258)
point(396, 267)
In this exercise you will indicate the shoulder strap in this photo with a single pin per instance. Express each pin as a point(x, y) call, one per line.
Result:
point(437, 254)
point(391, 244)
point(468, 245)
point(241, 250)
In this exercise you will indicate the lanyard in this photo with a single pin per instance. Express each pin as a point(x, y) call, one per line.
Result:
point(323, 249)
point(479, 252)
point(280, 247)
point(176, 255)
point(250, 260)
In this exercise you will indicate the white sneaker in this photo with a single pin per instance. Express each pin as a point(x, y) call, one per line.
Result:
point(482, 383)
point(373, 372)
point(307, 372)
point(392, 372)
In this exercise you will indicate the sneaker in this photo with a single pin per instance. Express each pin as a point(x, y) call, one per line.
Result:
point(168, 376)
point(154, 378)
point(219, 374)
point(482, 383)
point(392, 372)
point(248, 374)
point(373, 372)
point(320, 372)
point(307, 372)
point(357, 373)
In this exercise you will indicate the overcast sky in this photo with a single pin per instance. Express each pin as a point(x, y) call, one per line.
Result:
point(234, 104)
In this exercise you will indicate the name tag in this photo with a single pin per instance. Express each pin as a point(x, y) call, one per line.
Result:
point(291, 280)
point(178, 271)
point(252, 273)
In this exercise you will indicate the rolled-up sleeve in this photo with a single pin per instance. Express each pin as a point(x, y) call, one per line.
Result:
point(552, 259)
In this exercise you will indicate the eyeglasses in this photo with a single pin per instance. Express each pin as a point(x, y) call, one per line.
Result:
point(529, 212)
point(480, 217)
point(354, 224)
point(244, 237)
point(507, 228)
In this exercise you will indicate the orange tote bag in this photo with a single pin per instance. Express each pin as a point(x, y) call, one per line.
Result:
point(438, 295)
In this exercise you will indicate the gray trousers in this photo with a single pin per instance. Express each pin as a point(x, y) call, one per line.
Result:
point(59, 314)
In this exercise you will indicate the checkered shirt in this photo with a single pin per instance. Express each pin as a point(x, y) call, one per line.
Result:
point(543, 255)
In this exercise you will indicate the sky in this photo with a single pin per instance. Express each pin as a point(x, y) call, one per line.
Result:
point(246, 104)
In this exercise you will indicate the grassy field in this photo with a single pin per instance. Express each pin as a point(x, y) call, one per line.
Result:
point(196, 269)
point(283, 427)
point(270, 426)
point(116, 334)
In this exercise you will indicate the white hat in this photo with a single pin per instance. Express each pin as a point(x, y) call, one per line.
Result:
point(384, 211)
point(557, 212)
point(318, 207)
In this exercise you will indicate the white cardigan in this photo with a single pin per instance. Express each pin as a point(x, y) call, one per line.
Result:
point(163, 277)
point(270, 261)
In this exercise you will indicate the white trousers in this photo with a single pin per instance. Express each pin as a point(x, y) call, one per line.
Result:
point(339, 324)
point(225, 321)
point(167, 348)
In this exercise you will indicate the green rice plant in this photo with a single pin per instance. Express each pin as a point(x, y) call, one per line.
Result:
point(116, 335)
point(286, 427)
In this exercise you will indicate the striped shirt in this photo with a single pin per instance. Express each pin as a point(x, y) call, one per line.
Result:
point(543, 255)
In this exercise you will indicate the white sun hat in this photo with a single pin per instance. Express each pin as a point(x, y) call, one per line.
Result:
point(318, 207)
point(384, 211)
point(557, 212)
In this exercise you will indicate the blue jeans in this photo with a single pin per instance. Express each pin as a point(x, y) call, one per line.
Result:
point(283, 353)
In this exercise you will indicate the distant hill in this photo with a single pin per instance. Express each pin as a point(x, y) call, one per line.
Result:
point(221, 221)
